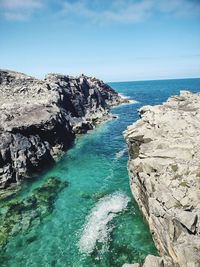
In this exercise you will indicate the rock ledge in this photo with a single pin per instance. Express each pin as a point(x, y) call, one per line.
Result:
point(164, 171)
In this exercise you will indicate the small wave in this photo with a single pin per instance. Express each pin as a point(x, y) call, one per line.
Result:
point(123, 96)
point(131, 101)
point(120, 154)
point(96, 227)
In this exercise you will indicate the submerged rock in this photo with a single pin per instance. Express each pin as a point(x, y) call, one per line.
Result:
point(38, 118)
point(164, 171)
point(19, 216)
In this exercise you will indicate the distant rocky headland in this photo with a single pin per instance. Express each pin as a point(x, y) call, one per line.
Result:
point(164, 171)
point(40, 118)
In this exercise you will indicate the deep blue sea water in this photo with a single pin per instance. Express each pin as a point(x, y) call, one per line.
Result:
point(95, 222)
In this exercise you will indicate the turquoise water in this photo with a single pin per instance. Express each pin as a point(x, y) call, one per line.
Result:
point(95, 221)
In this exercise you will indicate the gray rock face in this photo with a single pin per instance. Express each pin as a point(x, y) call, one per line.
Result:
point(40, 117)
point(164, 171)
point(152, 261)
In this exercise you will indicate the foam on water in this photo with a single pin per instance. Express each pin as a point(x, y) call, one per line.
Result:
point(96, 227)
point(123, 96)
point(120, 154)
point(131, 101)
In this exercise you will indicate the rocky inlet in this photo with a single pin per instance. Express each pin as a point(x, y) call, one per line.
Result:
point(40, 118)
point(164, 171)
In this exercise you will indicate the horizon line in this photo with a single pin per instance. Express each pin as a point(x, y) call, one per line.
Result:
point(148, 80)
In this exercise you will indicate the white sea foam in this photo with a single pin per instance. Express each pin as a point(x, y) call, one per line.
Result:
point(131, 101)
point(96, 227)
point(120, 154)
point(123, 96)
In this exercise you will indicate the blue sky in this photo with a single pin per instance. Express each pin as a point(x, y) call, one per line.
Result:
point(115, 40)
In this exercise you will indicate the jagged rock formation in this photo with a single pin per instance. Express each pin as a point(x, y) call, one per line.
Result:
point(38, 118)
point(164, 171)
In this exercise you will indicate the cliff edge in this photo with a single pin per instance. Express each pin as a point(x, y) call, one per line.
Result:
point(164, 171)
point(39, 118)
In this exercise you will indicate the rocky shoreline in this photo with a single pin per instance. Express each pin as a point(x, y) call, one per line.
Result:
point(164, 171)
point(40, 118)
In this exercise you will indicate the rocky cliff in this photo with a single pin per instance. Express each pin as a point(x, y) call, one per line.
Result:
point(38, 118)
point(164, 171)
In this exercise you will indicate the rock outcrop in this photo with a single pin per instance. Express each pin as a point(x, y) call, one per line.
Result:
point(164, 171)
point(38, 118)
point(152, 261)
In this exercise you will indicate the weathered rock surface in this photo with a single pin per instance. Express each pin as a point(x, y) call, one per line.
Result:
point(164, 171)
point(152, 261)
point(38, 118)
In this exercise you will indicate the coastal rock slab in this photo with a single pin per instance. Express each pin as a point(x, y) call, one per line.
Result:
point(152, 261)
point(39, 118)
point(164, 171)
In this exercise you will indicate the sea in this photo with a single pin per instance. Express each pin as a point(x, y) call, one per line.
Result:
point(95, 221)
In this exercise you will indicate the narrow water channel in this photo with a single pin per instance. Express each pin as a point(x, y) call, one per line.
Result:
point(95, 222)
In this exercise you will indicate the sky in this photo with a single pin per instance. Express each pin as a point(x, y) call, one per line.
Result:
point(114, 40)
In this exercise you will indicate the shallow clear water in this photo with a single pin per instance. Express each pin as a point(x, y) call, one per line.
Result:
point(95, 221)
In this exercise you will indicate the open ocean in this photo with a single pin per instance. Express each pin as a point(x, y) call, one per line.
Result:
point(95, 221)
